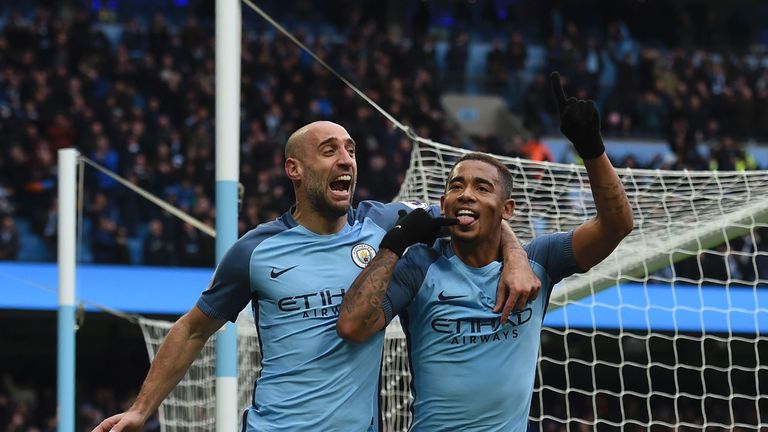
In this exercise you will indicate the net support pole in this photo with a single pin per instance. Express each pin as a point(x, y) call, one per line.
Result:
point(228, 37)
point(65, 352)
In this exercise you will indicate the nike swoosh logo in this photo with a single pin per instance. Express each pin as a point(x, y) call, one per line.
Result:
point(275, 274)
point(443, 297)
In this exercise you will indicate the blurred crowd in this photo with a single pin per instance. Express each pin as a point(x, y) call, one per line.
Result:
point(138, 99)
point(690, 97)
point(143, 109)
point(30, 408)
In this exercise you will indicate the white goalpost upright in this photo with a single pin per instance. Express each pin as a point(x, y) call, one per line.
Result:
point(228, 39)
point(66, 258)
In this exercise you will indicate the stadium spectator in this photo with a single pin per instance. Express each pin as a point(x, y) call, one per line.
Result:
point(6, 208)
point(535, 149)
point(515, 55)
point(189, 247)
point(9, 239)
point(536, 110)
point(456, 62)
point(157, 249)
point(106, 248)
point(496, 74)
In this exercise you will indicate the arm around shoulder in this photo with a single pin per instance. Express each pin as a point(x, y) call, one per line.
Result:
point(518, 283)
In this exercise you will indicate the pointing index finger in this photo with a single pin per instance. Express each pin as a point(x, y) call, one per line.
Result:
point(557, 91)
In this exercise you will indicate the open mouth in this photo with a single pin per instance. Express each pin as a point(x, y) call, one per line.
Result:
point(341, 183)
point(466, 217)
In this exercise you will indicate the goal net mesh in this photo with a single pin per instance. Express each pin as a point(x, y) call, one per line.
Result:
point(668, 332)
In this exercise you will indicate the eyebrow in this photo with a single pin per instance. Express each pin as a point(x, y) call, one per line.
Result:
point(331, 139)
point(482, 180)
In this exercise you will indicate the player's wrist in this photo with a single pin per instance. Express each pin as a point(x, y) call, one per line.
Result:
point(591, 149)
point(141, 410)
point(395, 241)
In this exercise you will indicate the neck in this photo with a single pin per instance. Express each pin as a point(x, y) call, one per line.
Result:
point(310, 219)
point(477, 253)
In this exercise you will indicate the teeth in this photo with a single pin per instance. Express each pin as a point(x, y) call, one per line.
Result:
point(465, 212)
point(345, 177)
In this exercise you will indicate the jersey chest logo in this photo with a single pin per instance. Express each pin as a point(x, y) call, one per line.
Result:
point(362, 254)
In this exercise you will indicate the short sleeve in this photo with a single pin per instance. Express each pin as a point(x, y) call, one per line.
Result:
point(407, 278)
point(554, 252)
point(230, 289)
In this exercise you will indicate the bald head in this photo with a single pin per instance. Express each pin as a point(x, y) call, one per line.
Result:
point(320, 162)
point(295, 147)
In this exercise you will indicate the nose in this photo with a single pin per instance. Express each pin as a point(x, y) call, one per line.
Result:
point(466, 195)
point(346, 159)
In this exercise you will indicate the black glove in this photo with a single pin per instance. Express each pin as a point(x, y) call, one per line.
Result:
point(579, 121)
point(415, 227)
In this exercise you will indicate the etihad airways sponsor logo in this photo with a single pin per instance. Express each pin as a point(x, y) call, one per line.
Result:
point(481, 330)
point(316, 304)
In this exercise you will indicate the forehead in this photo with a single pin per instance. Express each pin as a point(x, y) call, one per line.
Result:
point(328, 132)
point(470, 169)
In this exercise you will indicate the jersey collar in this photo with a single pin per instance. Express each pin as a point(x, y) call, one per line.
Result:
point(288, 220)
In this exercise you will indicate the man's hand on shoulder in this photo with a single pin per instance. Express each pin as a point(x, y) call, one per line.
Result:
point(518, 285)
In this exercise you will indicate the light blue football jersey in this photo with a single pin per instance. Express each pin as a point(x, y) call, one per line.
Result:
point(469, 372)
point(311, 379)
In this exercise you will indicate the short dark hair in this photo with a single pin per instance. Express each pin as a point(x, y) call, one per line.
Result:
point(504, 174)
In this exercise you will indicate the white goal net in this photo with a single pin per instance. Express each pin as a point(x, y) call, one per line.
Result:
point(192, 405)
point(668, 333)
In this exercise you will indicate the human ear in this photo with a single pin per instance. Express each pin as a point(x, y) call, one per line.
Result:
point(294, 169)
point(508, 209)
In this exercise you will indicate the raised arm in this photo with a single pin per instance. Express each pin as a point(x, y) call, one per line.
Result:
point(596, 238)
point(177, 352)
point(361, 314)
point(518, 283)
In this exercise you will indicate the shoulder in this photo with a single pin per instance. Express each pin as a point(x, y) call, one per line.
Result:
point(423, 255)
point(411, 270)
point(366, 208)
point(419, 258)
point(251, 240)
point(541, 247)
point(264, 231)
point(385, 214)
point(554, 252)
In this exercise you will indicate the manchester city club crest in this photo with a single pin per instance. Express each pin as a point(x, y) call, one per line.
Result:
point(362, 254)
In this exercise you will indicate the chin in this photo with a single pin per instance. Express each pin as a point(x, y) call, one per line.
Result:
point(328, 208)
point(463, 237)
point(338, 208)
